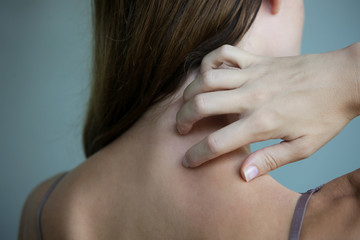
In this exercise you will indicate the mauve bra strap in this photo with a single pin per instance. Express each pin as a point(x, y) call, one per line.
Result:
point(43, 201)
point(299, 213)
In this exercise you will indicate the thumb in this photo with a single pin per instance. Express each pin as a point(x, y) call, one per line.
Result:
point(270, 158)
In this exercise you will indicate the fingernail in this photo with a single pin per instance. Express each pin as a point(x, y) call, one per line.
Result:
point(178, 129)
point(250, 173)
point(185, 163)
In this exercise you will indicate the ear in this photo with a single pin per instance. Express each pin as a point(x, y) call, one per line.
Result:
point(275, 6)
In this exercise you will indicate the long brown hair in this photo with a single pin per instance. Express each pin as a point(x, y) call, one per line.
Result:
point(143, 49)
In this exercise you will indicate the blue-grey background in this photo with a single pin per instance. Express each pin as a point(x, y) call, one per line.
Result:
point(45, 56)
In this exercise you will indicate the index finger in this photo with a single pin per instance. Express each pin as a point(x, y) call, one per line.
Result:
point(219, 79)
point(225, 140)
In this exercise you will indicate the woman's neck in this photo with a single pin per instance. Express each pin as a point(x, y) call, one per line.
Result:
point(156, 131)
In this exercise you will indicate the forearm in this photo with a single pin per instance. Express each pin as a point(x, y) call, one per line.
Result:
point(353, 56)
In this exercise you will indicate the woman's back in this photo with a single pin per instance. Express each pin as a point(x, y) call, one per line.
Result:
point(166, 204)
point(136, 188)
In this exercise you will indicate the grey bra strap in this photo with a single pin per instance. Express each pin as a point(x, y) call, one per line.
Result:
point(299, 213)
point(43, 201)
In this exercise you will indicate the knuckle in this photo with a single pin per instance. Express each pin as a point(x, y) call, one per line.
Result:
point(225, 49)
point(273, 120)
point(259, 96)
point(264, 122)
point(204, 64)
point(207, 80)
point(199, 104)
point(270, 162)
point(212, 144)
point(305, 151)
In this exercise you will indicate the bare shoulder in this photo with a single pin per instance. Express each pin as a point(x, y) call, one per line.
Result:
point(27, 229)
point(335, 210)
point(66, 212)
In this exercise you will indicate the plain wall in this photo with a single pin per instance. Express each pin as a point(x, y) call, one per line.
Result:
point(45, 56)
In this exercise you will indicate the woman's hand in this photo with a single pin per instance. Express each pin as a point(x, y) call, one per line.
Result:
point(305, 100)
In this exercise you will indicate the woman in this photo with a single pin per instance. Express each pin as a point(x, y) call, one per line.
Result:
point(133, 185)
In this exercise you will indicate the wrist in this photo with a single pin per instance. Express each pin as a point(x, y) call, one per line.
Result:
point(353, 60)
point(357, 73)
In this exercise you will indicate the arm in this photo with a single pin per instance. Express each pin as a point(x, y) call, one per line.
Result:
point(355, 53)
point(304, 100)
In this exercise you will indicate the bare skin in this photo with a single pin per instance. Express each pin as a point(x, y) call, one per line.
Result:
point(156, 198)
point(304, 100)
point(334, 212)
point(136, 188)
point(120, 194)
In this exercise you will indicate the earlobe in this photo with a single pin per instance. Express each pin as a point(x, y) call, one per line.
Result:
point(275, 6)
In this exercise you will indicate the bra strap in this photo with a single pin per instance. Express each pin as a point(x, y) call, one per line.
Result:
point(299, 213)
point(43, 201)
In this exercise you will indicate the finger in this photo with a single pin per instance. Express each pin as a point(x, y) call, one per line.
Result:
point(272, 157)
point(219, 79)
point(210, 104)
point(230, 55)
point(225, 140)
